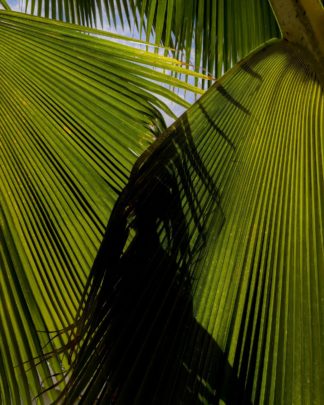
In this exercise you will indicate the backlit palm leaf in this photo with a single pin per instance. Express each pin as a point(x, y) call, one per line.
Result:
point(212, 34)
point(4, 4)
point(75, 112)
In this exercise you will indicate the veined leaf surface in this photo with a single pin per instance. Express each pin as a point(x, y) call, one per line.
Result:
point(75, 113)
point(209, 284)
point(212, 34)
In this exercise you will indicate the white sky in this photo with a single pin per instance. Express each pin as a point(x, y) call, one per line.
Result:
point(15, 4)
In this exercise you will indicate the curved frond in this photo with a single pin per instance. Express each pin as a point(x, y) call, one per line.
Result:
point(210, 34)
point(75, 112)
point(208, 284)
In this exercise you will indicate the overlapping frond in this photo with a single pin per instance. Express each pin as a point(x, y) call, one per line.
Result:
point(213, 34)
point(209, 282)
point(75, 113)
point(210, 34)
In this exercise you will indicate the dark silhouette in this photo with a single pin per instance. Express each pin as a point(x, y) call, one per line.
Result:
point(140, 325)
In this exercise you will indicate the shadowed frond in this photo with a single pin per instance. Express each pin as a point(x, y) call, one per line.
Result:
point(208, 284)
point(75, 112)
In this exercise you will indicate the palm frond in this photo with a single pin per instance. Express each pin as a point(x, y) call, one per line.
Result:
point(75, 112)
point(213, 34)
point(210, 34)
point(4, 4)
point(208, 284)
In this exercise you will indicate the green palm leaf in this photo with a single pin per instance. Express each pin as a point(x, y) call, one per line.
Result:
point(212, 34)
point(4, 4)
point(76, 111)
point(208, 283)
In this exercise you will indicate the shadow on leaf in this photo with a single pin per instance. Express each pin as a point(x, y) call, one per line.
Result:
point(143, 344)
